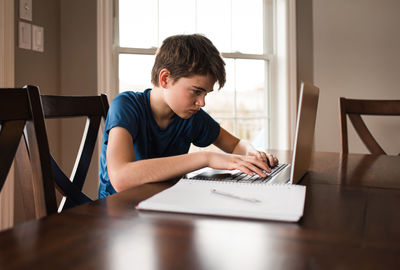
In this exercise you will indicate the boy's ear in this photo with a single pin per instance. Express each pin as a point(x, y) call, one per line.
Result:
point(164, 77)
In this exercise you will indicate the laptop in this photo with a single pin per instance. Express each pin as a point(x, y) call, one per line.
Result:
point(302, 149)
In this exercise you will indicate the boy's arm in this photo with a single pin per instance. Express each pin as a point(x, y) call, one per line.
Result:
point(124, 172)
point(230, 144)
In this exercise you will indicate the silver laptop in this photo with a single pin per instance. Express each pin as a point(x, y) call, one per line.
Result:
point(302, 149)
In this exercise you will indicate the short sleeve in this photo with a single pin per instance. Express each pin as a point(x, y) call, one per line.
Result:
point(205, 129)
point(122, 113)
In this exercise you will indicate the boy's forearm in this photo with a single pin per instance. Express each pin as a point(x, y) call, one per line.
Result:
point(243, 148)
point(157, 169)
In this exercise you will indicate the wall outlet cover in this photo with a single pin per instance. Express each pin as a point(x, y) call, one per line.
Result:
point(24, 35)
point(37, 38)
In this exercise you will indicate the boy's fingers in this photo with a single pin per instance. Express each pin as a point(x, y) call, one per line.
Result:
point(251, 165)
point(269, 159)
point(258, 167)
point(272, 160)
point(257, 170)
point(264, 164)
point(245, 170)
point(263, 156)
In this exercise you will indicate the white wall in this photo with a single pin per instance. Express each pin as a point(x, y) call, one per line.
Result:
point(68, 66)
point(40, 69)
point(78, 76)
point(356, 55)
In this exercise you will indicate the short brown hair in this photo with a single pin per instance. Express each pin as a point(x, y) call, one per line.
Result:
point(188, 55)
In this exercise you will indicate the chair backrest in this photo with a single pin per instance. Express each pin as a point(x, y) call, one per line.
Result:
point(21, 112)
point(354, 108)
point(95, 109)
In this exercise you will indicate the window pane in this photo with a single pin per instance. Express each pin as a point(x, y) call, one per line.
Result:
point(138, 23)
point(220, 103)
point(227, 124)
point(247, 26)
point(176, 17)
point(241, 106)
point(253, 130)
point(250, 87)
point(135, 72)
point(214, 21)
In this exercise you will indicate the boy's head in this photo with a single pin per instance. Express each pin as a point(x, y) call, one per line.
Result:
point(188, 55)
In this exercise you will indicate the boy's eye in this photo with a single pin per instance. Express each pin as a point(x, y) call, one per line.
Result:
point(197, 92)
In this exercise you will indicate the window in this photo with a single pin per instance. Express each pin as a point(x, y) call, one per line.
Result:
point(241, 31)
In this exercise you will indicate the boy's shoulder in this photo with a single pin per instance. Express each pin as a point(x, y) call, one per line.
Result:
point(132, 96)
point(130, 104)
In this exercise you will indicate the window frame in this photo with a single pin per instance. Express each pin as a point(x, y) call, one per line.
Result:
point(281, 81)
point(7, 81)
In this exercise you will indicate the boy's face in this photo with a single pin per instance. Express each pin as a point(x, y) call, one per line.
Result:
point(187, 95)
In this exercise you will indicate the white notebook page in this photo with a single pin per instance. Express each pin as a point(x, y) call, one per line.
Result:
point(274, 202)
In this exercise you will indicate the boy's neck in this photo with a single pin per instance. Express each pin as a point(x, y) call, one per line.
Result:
point(162, 113)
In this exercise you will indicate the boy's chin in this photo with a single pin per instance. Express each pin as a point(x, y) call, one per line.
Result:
point(185, 115)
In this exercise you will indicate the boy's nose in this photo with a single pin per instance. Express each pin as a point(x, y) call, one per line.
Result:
point(201, 101)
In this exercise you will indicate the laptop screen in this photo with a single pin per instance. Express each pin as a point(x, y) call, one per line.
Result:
point(304, 134)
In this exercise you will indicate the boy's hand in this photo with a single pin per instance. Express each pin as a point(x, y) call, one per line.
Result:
point(267, 158)
point(249, 164)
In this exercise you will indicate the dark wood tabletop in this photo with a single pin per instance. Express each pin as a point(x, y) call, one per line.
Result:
point(350, 221)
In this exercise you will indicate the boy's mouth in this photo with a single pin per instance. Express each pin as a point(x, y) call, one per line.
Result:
point(193, 111)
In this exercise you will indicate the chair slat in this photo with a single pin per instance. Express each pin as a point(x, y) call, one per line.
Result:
point(10, 135)
point(94, 108)
point(23, 175)
point(354, 108)
point(85, 154)
point(71, 106)
point(14, 105)
point(366, 135)
point(373, 107)
point(35, 130)
point(21, 113)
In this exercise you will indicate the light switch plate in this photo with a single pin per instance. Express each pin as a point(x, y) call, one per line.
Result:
point(25, 9)
point(24, 35)
point(37, 38)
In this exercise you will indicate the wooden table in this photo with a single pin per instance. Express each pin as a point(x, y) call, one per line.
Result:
point(351, 221)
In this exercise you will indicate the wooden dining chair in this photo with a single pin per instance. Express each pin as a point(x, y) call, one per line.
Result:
point(94, 109)
point(354, 108)
point(21, 112)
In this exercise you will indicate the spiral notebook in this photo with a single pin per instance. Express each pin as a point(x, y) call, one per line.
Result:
point(244, 200)
point(227, 193)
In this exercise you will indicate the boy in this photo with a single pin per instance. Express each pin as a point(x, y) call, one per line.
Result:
point(148, 134)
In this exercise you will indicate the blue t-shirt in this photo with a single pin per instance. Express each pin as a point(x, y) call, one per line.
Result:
point(132, 111)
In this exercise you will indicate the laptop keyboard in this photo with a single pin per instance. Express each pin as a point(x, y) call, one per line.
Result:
point(241, 176)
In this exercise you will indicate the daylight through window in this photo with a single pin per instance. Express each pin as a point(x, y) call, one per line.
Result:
point(239, 29)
